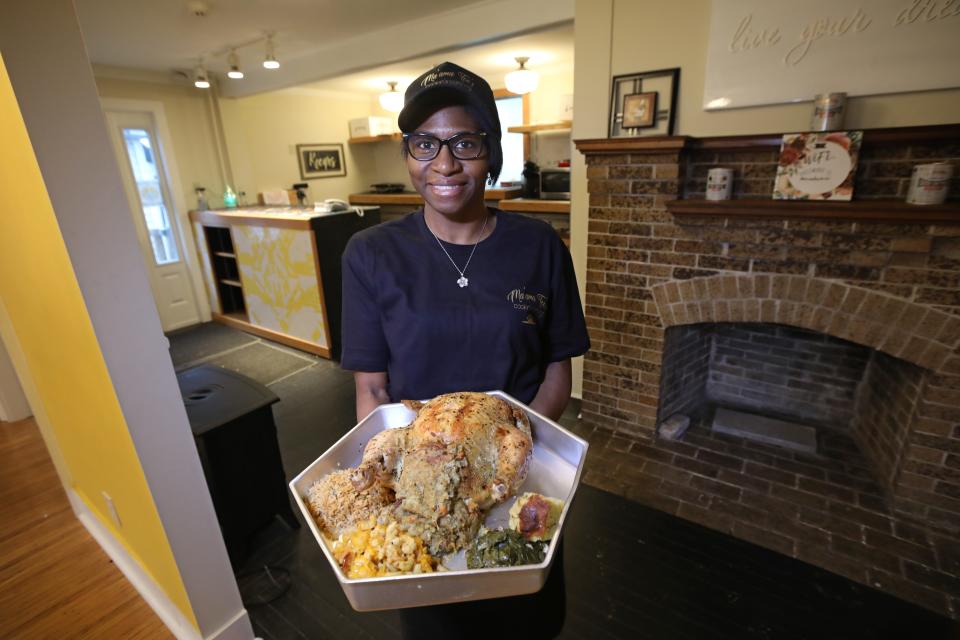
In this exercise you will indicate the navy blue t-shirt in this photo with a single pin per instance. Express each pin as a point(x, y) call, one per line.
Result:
point(403, 312)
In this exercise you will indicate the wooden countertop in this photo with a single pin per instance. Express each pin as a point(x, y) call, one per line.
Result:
point(414, 198)
point(272, 216)
point(527, 205)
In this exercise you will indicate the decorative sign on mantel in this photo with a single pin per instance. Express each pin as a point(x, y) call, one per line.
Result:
point(775, 51)
point(817, 166)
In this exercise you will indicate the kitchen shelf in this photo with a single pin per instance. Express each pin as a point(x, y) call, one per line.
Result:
point(368, 139)
point(223, 263)
point(546, 126)
point(528, 205)
point(891, 211)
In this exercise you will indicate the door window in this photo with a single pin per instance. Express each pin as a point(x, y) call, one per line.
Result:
point(510, 111)
point(143, 164)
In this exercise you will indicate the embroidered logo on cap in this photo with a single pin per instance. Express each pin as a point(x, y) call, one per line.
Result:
point(435, 77)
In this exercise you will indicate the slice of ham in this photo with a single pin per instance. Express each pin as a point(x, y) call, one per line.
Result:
point(533, 517)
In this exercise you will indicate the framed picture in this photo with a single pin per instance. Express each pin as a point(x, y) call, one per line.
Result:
point(639, 110)
point(644, 104)
point(321, 161)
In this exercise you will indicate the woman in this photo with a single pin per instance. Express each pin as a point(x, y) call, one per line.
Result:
point(457, 296)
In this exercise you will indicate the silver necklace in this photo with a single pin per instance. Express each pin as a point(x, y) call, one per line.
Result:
point(462, 280)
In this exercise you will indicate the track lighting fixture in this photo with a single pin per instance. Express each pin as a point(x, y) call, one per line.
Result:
point(200, 80)
point(270, 60)
point(234, 61)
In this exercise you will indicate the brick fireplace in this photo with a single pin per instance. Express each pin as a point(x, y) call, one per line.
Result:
point(842, 316)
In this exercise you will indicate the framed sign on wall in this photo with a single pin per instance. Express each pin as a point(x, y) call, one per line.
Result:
point(778, 51)
point(321, 161)
point(644, 103)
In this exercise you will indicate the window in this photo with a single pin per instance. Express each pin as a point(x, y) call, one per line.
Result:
point(146, 175)
point(510, 109)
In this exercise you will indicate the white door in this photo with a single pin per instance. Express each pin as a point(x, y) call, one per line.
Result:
point(139, 155)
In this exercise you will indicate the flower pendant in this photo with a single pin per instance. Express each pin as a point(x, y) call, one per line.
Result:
point(463, 282)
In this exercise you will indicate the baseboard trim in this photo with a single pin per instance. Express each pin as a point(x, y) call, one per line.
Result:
point(154, 596)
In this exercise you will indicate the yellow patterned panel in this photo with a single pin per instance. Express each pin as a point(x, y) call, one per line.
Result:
point(279, 276)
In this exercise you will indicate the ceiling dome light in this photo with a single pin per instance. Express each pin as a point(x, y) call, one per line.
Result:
point(270, 61)
point(234, 63)
point(392, 100)
point(200, 80)
point(522, 80)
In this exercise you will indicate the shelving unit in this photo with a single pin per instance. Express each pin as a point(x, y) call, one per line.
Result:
point(225, 271)
point(368, 139)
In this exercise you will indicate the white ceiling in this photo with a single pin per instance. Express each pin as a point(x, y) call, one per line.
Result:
point(348, 45)
point(550, 52)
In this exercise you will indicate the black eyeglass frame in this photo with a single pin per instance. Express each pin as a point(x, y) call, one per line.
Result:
point(448, 141)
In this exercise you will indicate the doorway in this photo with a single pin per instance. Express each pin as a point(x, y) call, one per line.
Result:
point(140, 152)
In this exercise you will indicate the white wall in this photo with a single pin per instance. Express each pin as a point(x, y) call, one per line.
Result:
point(657, 35)
point(189, 116)
point(13, 403)
point(262, 132)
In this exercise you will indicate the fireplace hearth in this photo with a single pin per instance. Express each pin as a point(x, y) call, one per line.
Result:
point(844, 317)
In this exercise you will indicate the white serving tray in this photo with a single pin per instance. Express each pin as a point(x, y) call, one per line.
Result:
point(555, 469)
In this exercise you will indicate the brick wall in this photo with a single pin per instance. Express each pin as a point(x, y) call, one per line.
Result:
point(684, 384)
point(793, 373)
point(885, 410)
point(893, 288)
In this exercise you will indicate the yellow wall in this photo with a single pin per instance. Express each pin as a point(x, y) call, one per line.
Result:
point(62, 366)
point(191, 127)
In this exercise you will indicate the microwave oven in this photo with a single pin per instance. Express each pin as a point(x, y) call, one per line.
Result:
point(555, 184)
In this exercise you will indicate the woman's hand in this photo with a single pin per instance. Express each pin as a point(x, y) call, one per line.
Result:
point(371, 391)
point(554, 392)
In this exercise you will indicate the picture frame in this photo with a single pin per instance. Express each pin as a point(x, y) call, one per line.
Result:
point(631, 96)
point(321, 161)
point(639, 110)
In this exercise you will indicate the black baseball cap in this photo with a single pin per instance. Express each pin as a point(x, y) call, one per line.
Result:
point(444, 85)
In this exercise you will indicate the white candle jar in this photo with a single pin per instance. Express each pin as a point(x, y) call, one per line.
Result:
point(719, 184)
point(930, 183)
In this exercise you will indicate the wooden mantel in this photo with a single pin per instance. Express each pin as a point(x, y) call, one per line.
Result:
point(688, 153)
point(653, 144)
point(890, 211)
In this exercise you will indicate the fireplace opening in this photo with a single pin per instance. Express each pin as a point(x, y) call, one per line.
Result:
point(812, 395)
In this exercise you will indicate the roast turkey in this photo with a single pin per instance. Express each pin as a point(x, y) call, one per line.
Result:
point(463, 453)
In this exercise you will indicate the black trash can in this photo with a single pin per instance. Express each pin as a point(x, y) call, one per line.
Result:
point(232, 422)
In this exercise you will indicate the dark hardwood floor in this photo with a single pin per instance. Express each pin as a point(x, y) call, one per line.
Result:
point(625, 571)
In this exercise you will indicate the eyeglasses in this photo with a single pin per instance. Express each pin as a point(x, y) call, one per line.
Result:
point(463, 146)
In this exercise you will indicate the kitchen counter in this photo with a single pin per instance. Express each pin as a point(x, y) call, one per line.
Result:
point(411, 197)
point(528, 205)
point(275, 270)
point(288, 217)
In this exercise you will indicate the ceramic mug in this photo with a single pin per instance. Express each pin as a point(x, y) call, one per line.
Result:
point(719, 184)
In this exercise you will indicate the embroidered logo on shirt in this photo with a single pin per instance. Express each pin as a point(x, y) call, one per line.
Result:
point(534, 305)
